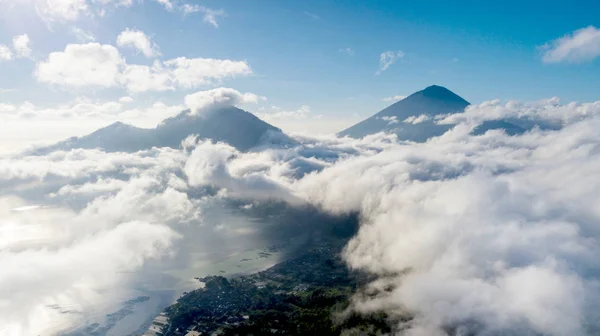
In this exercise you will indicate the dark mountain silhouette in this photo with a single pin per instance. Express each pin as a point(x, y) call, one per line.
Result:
point(412, 118)
point(421, 106)
point(231, 125)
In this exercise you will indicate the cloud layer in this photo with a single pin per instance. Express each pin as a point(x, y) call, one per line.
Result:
point(489, 234)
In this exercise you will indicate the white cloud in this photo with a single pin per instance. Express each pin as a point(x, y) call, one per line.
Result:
point(199, 101)
point(92, 64)
point(393, 98)
point(502, 248)
point(101, 186)
point(118, 239)
point(142, 78)
point(547, 112)
point(5, 53)
point(193, 72)
point(168, 4)
point(190, 9)
point(82, 35)
point(416, 119)
point(391, 120)
point(126, 100)
point(6, 108)
point(81, 65)
point(210, 16)
point(387, 58)
point(60, 10)
point(580, 46)
point(60, 244)
point(21, 45)
point(138, 40)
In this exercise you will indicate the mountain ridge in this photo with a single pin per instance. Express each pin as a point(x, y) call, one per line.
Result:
point(234, 126)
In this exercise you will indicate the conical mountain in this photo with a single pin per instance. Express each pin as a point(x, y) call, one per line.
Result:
point(231, 125)
point(412, 117)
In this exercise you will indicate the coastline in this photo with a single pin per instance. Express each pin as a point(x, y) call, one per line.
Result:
point(155, 326)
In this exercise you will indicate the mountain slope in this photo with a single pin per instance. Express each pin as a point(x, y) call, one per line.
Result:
point(411, 117)
point(239, 128)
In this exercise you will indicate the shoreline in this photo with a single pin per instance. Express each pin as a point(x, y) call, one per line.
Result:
point(154, 326)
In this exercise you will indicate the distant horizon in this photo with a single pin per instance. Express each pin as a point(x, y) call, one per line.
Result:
point(333, 129)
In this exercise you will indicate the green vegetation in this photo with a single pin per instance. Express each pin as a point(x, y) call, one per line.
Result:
point(304, 296)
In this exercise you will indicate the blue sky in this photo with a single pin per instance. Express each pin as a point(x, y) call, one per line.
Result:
point(323, 56)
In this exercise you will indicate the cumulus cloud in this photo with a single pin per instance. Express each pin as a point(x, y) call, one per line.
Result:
point(219, 97)
point(387, 58)
point(96, 65)
point(85, 255)
point(5, 53)
point(20, 48)
point(580, 46)
point(81, 65)
point(21, 45)
point(138, 40)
